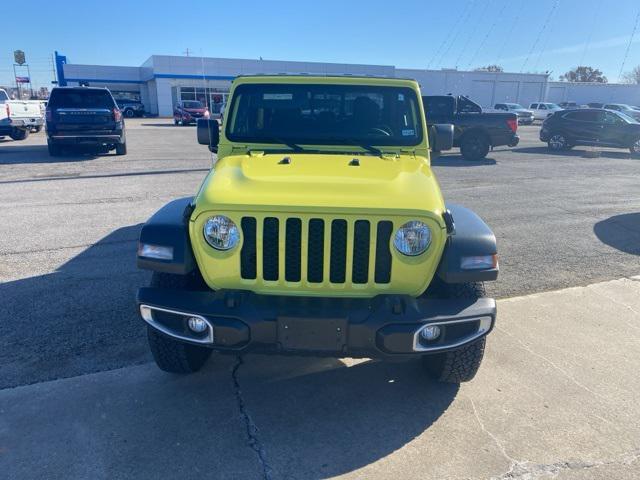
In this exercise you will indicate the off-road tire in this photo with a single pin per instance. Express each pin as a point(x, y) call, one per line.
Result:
point(462, 364)
point(474, 146)
point(19, 134)
point(121, 148)
point(171, 355)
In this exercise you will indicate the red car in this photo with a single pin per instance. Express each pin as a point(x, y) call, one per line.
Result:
point(189, 111)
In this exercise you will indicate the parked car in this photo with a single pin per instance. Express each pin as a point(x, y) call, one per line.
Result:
point(604, 128)
point(476, 132)
point(567, 105)
point(188, 112)
point(595, 105)
point(626, 109)
point(321, 244)
point(19, 117)
point(525, 117)
point(84, 116)
point(130, 108)
point(543, 110)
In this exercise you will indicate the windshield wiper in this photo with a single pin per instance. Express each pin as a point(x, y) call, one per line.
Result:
point(293, 146)
point(366, 146)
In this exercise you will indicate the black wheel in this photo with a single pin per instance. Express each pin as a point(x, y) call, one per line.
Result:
point(121, 148)
point(171, 355)
point(129, 113)
point(175, 121)
point(37, 129)
point(474, 146)
point(558, 142)
point(19, 134)
point(54, 150)
point(462, 364)
point(635, 148)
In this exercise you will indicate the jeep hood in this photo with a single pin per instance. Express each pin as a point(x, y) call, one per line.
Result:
point(320, 182)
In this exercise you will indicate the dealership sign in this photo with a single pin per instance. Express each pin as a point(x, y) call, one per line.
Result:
point(22, 80)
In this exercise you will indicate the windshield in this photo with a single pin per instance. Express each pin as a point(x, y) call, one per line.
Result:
point(515, 106)
point(553, 106)
point(194, 104)
point(627, 117)
point(325, 114)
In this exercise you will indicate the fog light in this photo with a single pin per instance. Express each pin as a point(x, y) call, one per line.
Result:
point(430, 332)
point(197, 325)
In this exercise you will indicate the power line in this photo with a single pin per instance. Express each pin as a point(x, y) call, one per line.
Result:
point(596, 11)
point(486, 37)
point(466, 44)
point(510, 32)
point(542, 29)
point(626, 53)
point(455, 38)
point(544, 46)
point(454, 29)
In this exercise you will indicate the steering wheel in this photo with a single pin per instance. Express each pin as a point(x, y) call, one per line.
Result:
point(382, 130)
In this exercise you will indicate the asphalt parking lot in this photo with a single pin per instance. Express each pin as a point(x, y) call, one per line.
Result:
point(67, 246)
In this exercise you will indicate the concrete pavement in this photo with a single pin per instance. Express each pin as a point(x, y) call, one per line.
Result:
point(556, 397)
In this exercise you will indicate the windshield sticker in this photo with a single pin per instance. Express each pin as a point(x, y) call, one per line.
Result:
point(277, 96)
point(408, 133)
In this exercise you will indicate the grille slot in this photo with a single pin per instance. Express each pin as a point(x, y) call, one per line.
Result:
point(312, 247)
point(361, 240)
point(338, 261)
point(293, 250)
point(248, 253)
point(383, 254)
point(270, 256)
point(315, 252)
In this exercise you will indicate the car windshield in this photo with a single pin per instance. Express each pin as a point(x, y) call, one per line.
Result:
point(553, 106)
point(628, 118)
point(325, 115)
point(192, 104)
point(80, 98)
point(514, 106)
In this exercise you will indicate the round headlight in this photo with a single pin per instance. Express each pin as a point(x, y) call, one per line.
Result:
point(221, 233)
point(412, 238)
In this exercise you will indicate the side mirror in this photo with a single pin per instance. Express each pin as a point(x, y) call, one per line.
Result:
point(441, 137)
point(208, 131)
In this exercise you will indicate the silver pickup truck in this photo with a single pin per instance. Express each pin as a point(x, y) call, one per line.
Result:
point(19, 117)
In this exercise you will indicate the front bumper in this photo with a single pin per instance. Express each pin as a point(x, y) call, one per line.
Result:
point(384, 326)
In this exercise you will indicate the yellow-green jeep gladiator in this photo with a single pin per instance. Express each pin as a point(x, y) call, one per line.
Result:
point(320, 230)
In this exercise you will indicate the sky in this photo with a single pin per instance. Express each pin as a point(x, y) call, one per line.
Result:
point(520, 35)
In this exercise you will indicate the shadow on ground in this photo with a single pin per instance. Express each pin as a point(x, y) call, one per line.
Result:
point(80, 318)
point(29, 154)
point(459, 161)
point(173, 125)
point(574, 152)
point(621, 232)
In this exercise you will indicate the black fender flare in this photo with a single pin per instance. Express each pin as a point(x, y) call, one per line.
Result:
point(472, 237)
point(169, 227)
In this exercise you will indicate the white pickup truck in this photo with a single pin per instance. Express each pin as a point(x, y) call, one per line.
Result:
point(19, 117)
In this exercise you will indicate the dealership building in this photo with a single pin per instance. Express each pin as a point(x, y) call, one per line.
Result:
point(163, 80)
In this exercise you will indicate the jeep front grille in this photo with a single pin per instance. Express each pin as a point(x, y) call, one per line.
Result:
point(316, 251)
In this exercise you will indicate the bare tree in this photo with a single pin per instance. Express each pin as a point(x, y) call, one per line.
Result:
point(632, 77)
point(584, 74)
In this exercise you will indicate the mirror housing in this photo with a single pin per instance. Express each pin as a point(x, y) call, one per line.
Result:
point(208, 132)
point(441, 137)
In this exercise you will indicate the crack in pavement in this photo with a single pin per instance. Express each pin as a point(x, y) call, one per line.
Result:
point(526, 470)
point(252, 429)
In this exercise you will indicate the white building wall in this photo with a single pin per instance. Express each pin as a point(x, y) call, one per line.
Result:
point(583, 93)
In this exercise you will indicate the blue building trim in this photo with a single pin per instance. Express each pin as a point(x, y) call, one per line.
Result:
point(194, 77)
point(61, 60)
point(103, 80)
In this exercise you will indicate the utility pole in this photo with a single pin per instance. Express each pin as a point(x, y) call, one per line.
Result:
point(186, 52)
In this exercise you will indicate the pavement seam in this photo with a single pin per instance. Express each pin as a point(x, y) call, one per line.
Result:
point(252, 429)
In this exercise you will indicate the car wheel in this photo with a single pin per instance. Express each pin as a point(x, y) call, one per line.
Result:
point(121, 148)
point(129, 113)
point(635, 148)
point(474, 146)
point(175, 121)
point(37, 129)
point(461, 364)
point(558, 142)
point(172, 355)
point(19, 134)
